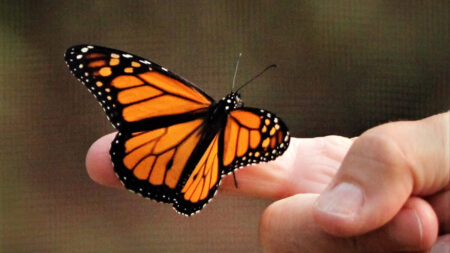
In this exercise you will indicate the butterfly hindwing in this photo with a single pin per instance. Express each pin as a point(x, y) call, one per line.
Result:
point(135, 92)
point(151, 163)
point(201, 184)
point(251, 136)
point(171, 165)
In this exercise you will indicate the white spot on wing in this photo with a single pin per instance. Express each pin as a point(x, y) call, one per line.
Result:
point(145, 62)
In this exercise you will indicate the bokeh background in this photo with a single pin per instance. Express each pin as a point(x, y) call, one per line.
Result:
point(343, 67)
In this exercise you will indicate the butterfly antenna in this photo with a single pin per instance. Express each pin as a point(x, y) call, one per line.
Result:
point(235, 180)
point(262, 72)
point(235, 71)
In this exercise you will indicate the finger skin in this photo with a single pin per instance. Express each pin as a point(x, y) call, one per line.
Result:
point(98, 162)
point(307, 166)
point(288, 226)
point(383, 168)
point(441, 205)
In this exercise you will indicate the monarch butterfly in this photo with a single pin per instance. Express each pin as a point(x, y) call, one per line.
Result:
point(174, 142)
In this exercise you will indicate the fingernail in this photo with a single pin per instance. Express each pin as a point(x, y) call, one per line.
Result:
point(345, 200)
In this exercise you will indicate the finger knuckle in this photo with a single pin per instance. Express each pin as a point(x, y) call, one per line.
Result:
point(383, 148)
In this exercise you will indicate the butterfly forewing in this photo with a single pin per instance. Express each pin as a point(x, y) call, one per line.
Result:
point(135, 92)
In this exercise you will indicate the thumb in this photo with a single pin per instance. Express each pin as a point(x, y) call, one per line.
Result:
point(383, 168)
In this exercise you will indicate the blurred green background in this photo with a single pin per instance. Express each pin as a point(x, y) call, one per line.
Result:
point(343, 67)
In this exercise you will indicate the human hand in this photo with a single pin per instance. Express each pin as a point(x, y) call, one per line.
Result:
point(389, 194)
point(402, 169)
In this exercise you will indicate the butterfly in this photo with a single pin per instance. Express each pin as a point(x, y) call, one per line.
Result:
point(174, 142)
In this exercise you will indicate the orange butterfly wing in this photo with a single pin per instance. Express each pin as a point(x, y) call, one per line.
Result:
point(251, 136)
point(135, 93)
point(151, 163)
point(159, 116)
point(201, 185)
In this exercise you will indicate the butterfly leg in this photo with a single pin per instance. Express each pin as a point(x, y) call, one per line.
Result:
point(235, 180)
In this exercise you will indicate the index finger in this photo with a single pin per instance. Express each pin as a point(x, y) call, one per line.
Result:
point(307, 166)
point(98, 162)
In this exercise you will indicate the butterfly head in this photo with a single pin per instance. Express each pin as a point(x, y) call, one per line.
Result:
point(232, 101)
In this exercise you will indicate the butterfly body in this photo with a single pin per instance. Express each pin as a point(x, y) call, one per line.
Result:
point(174, 142)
